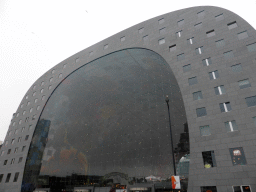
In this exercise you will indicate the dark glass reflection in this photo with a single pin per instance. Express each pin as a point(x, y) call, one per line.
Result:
point(106, 125)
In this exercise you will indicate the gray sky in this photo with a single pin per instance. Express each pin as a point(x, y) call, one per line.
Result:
point(36, 35)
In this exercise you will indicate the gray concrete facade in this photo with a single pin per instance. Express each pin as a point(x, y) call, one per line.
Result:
point(147, 35)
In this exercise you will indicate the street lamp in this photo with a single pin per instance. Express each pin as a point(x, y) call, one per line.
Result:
point(167, 102)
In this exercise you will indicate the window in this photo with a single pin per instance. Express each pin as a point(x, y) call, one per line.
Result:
point(2, 153)
point(178, 34)
point(6, 143)
point(209, 159)
point(220, 43)
point(205, 130)
point(141, 30)
point(237, 156)
point(12, 141)
point(199, 50)
point(186, 68)
point(210, 33)
point(214, 75)
point(160, 21)
point(243, 188)
point(219, 90)
point(198, 25)
point(232, 25)
point(1, 177)
point(5, 162)
point(16, 150)
point(16, 131)
point(20, 159)
point(162, 31)
point(201, 13)
point(30, 127)
point(201, 112)
point(161, 41)
point(19, 139)
point(105, 46)
point(8, 178)
point(181, 22)
point(207, 62)
point(254, 120)
point(122, 39)
point(192, 81)
point(23, 148)
point(197, 95)
point(231, 126)
point(251, 47)
point(244, 84)
point(91, 53)
point(12, 162)
point(23, 128)
point(26, 138)
point(236, 68)
point(225, 107)
point(219, 17)
point(209, 189)
point(16, 177)
point(242, 35)
point(9, 151)
point(251, 101)
point(228, 54)
point(172, 48)
point(190, 41)
point(180, 57)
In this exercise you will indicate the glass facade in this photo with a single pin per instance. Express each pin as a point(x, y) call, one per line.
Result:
point(107, 126)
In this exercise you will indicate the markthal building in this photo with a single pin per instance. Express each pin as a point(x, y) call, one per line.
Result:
point(172, 96)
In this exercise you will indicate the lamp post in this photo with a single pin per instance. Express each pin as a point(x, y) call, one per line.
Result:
point(167, 102)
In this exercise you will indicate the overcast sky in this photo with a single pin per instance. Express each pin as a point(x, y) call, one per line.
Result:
point(36, 35)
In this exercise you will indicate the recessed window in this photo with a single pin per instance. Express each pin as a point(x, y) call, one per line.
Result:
point(122, 39)
point(42, 90)
point(178, 34)
point(210, 33)
point(228, 54)
point(198, 25)
point(145, 38)
point(141, 30)
point(219, 90)
point(161, 21)
point(236, 68)
point(251, 101)
point(23, 148)
point(197, 95)
point(251, 47)
point(19, 139)
point(30, 127)
point(5, 162)
point(42, 83)
point(205, 130)
point(242, 188)
point(220, 43)
point(34, 117)
point(199, 50)
point(208, 189)
point(172, 48)
point(214, 75)
point(53, 71)
point(43, 97)
point(180, 57)
point(9, 151)
point(16, 131)
point(60, 75)
point(186, 68)
point(161, 41)
point(6, 143)
point(231, 126)
point(51, 79)
point(12, 161)
point(22, 129)
point(16, 177)
point(225, 107)
point(36, 100)
point(24, 112)
point(8, 178)
point(190, 40)
point(237, 156)
point(16, 150)
point(91, 53)
point(162, 31)
point(26, 138)
point(219, 17)
point(20, 121)
point(2, 153)
point(192, 81)
point(201, 112)
point(232, 25)
point(244, 84)
point(207, 62)
point(181, 22)
point(34, 94)
point(254, 120)
point(242, 35)
point(12, 141)
point(201, 13)
point(209, 159)
point(1, 177)
point(20, 159)
point(105, 46)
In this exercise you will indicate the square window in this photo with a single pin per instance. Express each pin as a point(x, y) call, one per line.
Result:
point(237, 156)
point(145, 38)
point(190, 40)
point(244, 84)
point(219, 17)
point(220, 43)
point(201, 13)
point(210, 33)
point(231, 126)
point(186, 68)
point(209, 189)
point(251, 101)
point(161, 41)
point(236, 68)
point(178, 34)
point(161, 21)
point(242, 35)
point(181, 22)
point(199, 50)
point(219, 90)
point(198, 25)
point(209, 159)
point(180, 57)
point(232, 25)
point(5, 162)
point(251, 47)
point(207, 62)
point(192, 81)
point(197, 95)
point(8, 178)
point(228, 54)
point(9, 151)
point(205, 130)
point(16, 177)
point(225, 107)
point(20, 159)
point(201, 112)
point(172, 48)
point(141, 30)
point(162, 31)
point(214, 75)
point(122, 39)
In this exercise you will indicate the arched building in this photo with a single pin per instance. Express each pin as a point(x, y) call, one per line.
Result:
point(99, 120)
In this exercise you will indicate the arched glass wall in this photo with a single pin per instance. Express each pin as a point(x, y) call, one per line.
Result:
point(106, 125)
